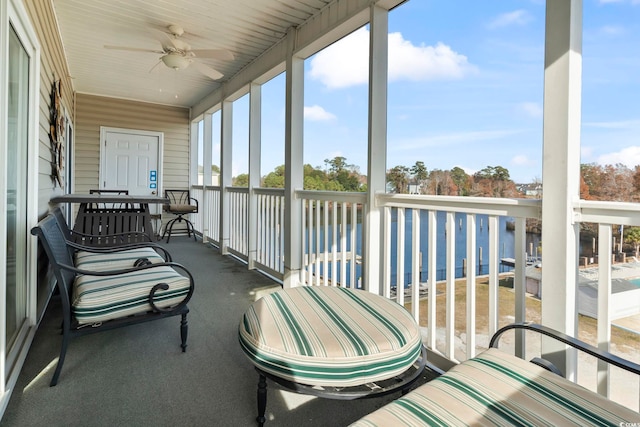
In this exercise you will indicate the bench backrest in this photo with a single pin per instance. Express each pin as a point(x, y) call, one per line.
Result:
point(53, 241)
point(98, 222)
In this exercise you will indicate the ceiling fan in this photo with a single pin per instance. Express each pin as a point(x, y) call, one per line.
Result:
point(178, 55)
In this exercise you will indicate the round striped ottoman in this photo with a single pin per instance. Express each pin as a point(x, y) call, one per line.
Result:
point(330, 341)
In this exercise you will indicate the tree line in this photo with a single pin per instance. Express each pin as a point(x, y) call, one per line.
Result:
point(616, 183)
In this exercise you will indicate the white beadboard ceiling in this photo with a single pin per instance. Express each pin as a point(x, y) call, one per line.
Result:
point(247, 28)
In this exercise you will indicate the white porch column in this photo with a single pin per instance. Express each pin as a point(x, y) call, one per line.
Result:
point(561, 174)
point(207, 131)
point(377, 155)
point(294, 162)
point(207, 149)
point(226, 143)
point(193, 141)
point(255, 136)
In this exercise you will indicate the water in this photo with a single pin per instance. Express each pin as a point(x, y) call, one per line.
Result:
point(506, 239)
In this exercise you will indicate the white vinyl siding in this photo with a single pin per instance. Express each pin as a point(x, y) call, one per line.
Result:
point(96, 111)
point(53, 66)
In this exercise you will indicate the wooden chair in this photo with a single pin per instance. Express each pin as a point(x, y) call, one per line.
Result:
point(180, 204)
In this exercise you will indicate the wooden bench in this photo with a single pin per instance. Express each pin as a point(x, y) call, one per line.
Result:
point(107, 288)
point(496, 388)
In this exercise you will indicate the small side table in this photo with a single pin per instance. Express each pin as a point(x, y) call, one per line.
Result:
point(331, 342)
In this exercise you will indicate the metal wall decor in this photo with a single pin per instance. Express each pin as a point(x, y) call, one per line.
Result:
point(56, 132)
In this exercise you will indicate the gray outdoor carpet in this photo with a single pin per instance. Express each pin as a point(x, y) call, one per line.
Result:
point(137, 375)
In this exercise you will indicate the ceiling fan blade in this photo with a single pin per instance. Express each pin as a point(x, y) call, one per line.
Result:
point(207, 71)
point(133, 49)
point(223, 54)
point(155, 66)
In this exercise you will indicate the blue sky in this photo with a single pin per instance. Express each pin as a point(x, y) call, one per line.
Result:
point(465, 89)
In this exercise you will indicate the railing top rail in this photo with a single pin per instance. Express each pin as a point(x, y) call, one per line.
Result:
point(205, 187)
point(621, 213)
point(269, 191)
point(237, 189)
point(523, 208)
point(332, 196)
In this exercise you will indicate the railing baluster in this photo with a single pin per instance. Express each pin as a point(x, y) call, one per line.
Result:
point(400, 257)
point(415, 262)
point(450, 286)
point(343, 245)
point(325, 249)
point(605, 250)
point(386, 253)
point(354, 235)
point(494, 313)
point(471, 285)
point(432, 271)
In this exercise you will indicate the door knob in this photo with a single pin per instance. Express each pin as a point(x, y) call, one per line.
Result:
point(154, 193)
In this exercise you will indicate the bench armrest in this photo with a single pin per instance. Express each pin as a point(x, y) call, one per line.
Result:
point(571, 341)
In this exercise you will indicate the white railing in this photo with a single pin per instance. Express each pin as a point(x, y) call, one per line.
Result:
point(443, 335)
point(239, 221)
point(332, 237)
point(332, 242)
point(270, 236)
point(607, 215)
point(207, 220)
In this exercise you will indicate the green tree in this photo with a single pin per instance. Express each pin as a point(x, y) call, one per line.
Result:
point(398, 177)
point(462, 180)
point(632, 236)
point(419, 171)
point(337, 164)
point(274, 179)
point(241, 180)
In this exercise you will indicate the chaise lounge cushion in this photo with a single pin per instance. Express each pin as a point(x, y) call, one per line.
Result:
point(329, 336)
point(100, 298)
point(496, 388)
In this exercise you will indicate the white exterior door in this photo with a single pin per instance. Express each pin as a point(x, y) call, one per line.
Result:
point(130, 160)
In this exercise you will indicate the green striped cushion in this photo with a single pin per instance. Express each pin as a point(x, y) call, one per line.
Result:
point(496, 388)
point(329, 336)
point(97, 299)
point(114, 260)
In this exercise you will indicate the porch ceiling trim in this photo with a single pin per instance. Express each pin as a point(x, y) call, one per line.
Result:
point(333, 22)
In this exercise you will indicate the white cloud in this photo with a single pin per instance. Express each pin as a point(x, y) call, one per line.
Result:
point(621, 124)
point(618, 1)
point(447, 139)
point(585, 153)
point(629, 156)
point(520, 160)
point(517, 17)
point(532, 109)
point(317, 114)
point(345, 63)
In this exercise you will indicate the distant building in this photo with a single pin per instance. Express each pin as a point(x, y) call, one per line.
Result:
point(415, 189)
point(624, 300)
point(530, 190)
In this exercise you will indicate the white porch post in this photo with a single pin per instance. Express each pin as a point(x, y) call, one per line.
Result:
point(207, 131)
point(255, 116)
point(207, 149)
point(561, 174)
point(193, 141)
point(226, 172)
point(294, 166)
point(193, 178)
point(377, 147)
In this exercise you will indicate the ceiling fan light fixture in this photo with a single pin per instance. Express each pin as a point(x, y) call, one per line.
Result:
point(175, 61)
